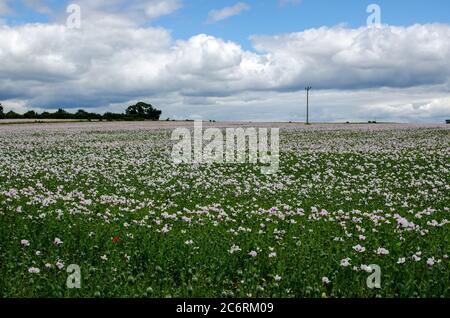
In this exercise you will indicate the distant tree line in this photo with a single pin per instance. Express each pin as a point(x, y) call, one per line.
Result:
point(140, 111)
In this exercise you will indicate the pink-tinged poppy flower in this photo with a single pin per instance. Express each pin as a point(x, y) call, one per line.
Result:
point(60, 264)
point(382, 251)
point(431, 262)
point(57, 241)
point(360, 249)
point(234, 249)
point(346, 262)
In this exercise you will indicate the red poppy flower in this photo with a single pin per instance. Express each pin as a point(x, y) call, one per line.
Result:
point(116, 239)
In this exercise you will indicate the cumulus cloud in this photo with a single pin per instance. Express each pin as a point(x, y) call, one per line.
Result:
point(359, 58)
point(227, 12)
point(387, 72)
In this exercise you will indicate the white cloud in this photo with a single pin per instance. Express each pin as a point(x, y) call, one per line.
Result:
point(227, 12)
point(160, 8)
point(400, 73)
point(356, 58)
point(115, 13)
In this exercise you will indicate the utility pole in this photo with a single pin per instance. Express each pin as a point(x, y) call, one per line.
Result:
point(308, 88)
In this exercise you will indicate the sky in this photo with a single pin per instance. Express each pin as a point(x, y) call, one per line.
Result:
point(230, 60)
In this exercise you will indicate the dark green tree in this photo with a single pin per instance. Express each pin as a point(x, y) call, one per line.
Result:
point(143, 111)
point(45, 115)
point(140, 111)
point(61, 114)
point(12, 115)
point(82, 114)
point(31, 114)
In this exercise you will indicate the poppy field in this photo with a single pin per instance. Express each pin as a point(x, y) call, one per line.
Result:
point(107, 198)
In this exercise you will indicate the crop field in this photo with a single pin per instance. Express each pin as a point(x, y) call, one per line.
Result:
point(108, 198)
